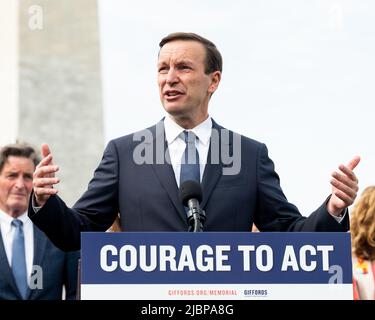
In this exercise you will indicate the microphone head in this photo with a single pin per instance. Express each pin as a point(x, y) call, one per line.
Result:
point(190, 189)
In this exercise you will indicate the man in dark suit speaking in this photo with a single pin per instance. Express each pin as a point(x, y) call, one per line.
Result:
point(140, 174)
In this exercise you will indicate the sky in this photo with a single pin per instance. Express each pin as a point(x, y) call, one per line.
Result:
point(297, 76)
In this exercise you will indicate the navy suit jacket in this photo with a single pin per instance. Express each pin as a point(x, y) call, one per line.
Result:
point(59, 269)
point(146, 195)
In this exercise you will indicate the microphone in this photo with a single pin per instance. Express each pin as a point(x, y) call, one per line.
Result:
point(190, 195)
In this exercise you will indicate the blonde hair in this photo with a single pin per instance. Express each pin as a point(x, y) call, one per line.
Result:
point(362, 225)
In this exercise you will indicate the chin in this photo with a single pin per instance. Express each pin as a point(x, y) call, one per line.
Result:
point(21, 207)
point(174, 110)
point(177, 107)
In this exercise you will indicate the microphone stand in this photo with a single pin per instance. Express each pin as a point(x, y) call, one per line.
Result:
point(196, 217)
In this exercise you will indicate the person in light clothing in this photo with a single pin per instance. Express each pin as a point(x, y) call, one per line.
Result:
point(363, 243)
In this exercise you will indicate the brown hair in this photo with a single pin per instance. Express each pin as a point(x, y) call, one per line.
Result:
point(214, 61)
point(363, 225)
point(18, 150)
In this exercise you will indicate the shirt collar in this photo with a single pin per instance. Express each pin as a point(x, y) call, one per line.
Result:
point(6, 220)
point(202, 130)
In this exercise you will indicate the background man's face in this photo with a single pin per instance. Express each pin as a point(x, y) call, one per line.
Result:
point(16, 182)
point(184, 88)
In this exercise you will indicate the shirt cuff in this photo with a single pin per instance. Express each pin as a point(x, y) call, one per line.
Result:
point(340, 218)
point(35, 207)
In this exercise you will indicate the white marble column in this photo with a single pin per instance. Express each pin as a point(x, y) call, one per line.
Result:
point(8, 71)
point(60, 96)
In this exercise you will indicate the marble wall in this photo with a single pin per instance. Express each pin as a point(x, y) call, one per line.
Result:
point(60, 96)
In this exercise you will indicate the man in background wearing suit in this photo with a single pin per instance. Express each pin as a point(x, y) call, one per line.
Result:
point(140, 174)
point(31, 267)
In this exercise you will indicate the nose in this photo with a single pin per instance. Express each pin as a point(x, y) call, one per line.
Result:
point(20, 183)
point(172, 77)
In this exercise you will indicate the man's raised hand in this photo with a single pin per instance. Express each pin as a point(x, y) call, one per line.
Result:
point(344, 187)
point(44, 177)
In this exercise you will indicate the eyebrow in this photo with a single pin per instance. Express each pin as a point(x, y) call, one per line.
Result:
point(17, 172)
point(178, 62)
point(12, 172)
point(184, 61)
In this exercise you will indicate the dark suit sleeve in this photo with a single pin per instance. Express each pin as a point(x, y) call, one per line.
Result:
point(71, 274)
point(96, 210)
point(275, 213)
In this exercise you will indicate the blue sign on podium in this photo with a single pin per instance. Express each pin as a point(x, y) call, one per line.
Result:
point(216, 265)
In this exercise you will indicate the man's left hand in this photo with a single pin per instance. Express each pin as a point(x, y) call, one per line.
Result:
point(344, 188)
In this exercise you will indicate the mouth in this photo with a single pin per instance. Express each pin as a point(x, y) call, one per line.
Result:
point(172, 95)
point(18, 195)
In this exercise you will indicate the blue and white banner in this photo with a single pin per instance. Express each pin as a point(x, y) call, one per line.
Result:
point(216, 265)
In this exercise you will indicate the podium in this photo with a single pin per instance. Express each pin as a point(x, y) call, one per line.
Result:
point(216, 266)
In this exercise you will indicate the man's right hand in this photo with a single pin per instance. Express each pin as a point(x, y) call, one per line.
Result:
point(44, 177)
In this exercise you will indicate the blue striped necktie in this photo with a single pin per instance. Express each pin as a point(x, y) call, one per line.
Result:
point(190, 159)
point(18, 258)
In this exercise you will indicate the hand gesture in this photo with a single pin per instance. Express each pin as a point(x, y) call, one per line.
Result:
point(344, 187)
point(44, 177)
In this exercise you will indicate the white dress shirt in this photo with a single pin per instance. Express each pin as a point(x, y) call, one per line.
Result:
point(176, 144)
point(7, 233)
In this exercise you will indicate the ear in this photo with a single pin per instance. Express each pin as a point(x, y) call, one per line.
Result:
point(215, 80)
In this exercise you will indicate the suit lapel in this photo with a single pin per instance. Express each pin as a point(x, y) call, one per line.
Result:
point(211, 176)
point(40, 241)
point(164, 170)
point(6, 269)
point(213, 169)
